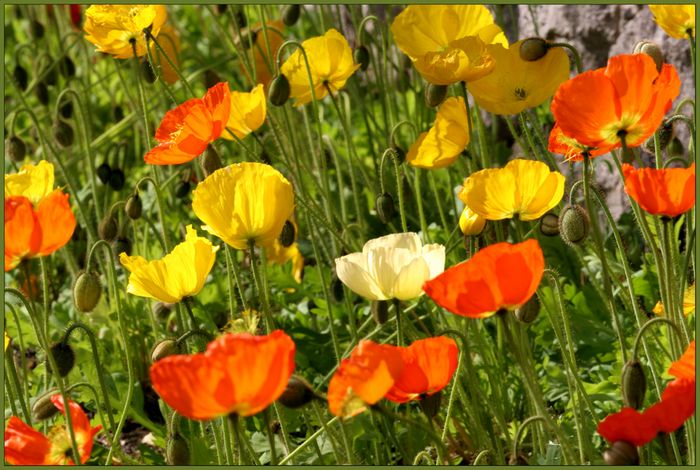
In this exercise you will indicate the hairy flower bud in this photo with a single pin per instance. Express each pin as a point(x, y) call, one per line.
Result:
point(384, 205)
point(87, 292)
point(177, 451)
point(533, 49)
point(162, 310)
point(279, 90)
point(287, 235)
point(41, 91)
point(652, 50)
point(43, 408)
point(134, 207)
point(527, 313)
point(362, 57)
point(380, 311)
point(117, 179)
point(634, 384)
point(290, 14)
point(165, 348)
point(15, 149)
point(64, 356)
point(297, 394)
point(63, 133)
point(435, 94)
point(621, 453)
point(573, 224)
point(210, 161)
point(108, 227)
point(549, 225)
point(21, 77)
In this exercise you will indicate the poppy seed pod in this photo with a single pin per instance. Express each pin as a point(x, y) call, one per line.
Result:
point(549, 225)
point(41, 92)
point(290, 14)
point(384, 205)
point(634, 384)
point(652, 50)
point(435, 94)
point(64, 356)
point(177, 451)
point(108, 227)
point(380, 311)
point(287, 235)
point(664, 133)
point(103, 171)
point(533, 49)
point(86, 292)
point(15, 149)
point(21, 77)
point(527, 313)
point(362, 57)
point(43, 408)
point(573, 225)
point(116, 179)
point(430, 404)
point(36, 29)
point(134, 207)
point(165, 348)
point(210, 161)
point(621, 453)
point(279, 90)
point(63, 133)
point(297, 394)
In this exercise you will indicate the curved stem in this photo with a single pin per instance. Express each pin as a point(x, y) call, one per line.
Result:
point(641, 331)
point(574, 52)
point(520, 430)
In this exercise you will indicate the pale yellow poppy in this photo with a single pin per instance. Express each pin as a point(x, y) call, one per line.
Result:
point(34, 182)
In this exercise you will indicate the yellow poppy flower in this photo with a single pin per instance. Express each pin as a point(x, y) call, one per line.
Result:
point(523, 187)
point(471, 223)
point(244, 201)
point(113, 28)
point(330, 62)
point(169, 41)
point(676, 20)
point(34, 182)
point(181, 273)
point(447, 43)
point(248, 112)
point(516, 84)
point(688, 303)
point(442, 144)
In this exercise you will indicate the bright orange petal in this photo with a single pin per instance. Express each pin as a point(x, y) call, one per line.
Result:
point(168, 154)
point(218, 101)
point(668, 192)
point(632, 76)
point(519, 270)
point(684, 368)
point(84, 434)
point(24, 445)
point(56, 220)
point(22, 231)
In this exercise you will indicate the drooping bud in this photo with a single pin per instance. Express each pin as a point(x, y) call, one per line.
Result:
point(361, 56)
point(177, 451)
point(147, 72)
point(67, 67)
point(290, 14)
point(239, 16)
point(675, 148)
point(15, 149)
point(435, 94)
point(165, 348)
point(21, 77)
point(380, 311)
point(664, 133)
point(337, 288)
point(162, 310)
point(399, 153)
point(41, 92)
point(279, 90)
point(120, 245)
point(549, 224)
point(652, 50)
point(63, 133)
point(287, 235)
point(182, 189)
point(103, 171)
point(533, 49)
point(621, 453)
point(210, 161)
point(66, 110)
point(634, 384)
point(384, 205)
point(43, 408)
point(118, 113)
point(221, 8)
point(134, 207)
point(87, 292)
point(64, 356)
point(108, 227)
point(117, 179)
point(573, 224)
point(36, 29)
point(527, 313)
point(297, 394)
point(431, 404)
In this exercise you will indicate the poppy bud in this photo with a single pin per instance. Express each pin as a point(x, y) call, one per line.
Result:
point(62, 133)
point(107, 228)
point(162, 310)
point(533, 49)
point(50, 75)
point(634, 384)
point(549, 225)
point(279, 90)
point(239, 16)
point(64, 356)
point(288, 234)
point(67, 67)
point(86, 292)
point(471, 224)
point(621, 453)
point(380, 311)
point(362, 57)
point(399, 154)
point(15, 149)
point(290, 14)
point(66, 109)
point(435, 94)
point(103, 171)
point(337, 288)
point(121, 245)
point(664, 133)
point(42, 93)
point(43, 408)
point(21, 77)
point(527, 313)
point(147, 71)
point(117, 179)
point(118, 113)
point(675, 148)
point(177, 451)
point(133, 207)
point(182, 189)
point(297, 394)
point(265, 157)
point(211, 78)
point(384, 205)
point(430, 404)
point(210, 161)
point(221, 8)
point(165, 348)
point(36, 29)
point(573, 224)
point(652, 50)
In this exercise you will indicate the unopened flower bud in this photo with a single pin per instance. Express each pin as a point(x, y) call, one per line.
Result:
point(634, 384)
point(103, 171)
point(279, 90)
point(239, 16)
point(165, 348)
point(162, 310)
point(50, 75)
point(430, 404)
point(337, 288)
point(66, 110)
point(221, 8)
point(63, 133)
point(362, 57)
point(573, 224)
point(134, 207)
point(399, 153)
point(290, 14)
point(67, 67)
point(549, 225)
point(41, 92)
point(87, 292)
point(177, 452)
point(108, 227)
point(470, 223)
point(121, 245)
point(287, 235)
point(64, 356)
point(297, 394)
point(621, 453)
point(182, 189)
point(15, 149)
point(210, 161)
point(664, 133)
point(652, 50)
point(527, 313)
point(117, 179)
point(147, 72)
point(380, 311)
point(36, 29)
point(675, 148)
point(435, 94)
point(118, 113)
point(533, 49)
point(43, 408)
point(21, 77)
point(384, 205)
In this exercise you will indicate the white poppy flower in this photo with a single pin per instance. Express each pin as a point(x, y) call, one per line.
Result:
point(391, 267)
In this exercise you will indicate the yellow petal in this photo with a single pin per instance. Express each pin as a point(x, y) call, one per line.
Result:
point(32, 181)
point(676, 20)
point(248, 111)
point(471, 223)
point(441, 146)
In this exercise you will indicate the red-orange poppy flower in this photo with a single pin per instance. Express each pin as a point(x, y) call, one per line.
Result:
point(31, 232)
point(429, 365)
point(627, 98)
point(185, 131)
point(25, 446)
point(238, 373)
point(364, 378)
point(668, 191)
point(500, 276)
point(570, 147)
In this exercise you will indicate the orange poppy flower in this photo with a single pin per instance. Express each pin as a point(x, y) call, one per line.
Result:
point(669, 191)
point(260, 55)
point(238, 373)
point(364, 378)
point(31, 232)
point(25, 446)
point(570, 147)
point(185, 131)
point(628, 97)
point(429, 365)
point(500, 276)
